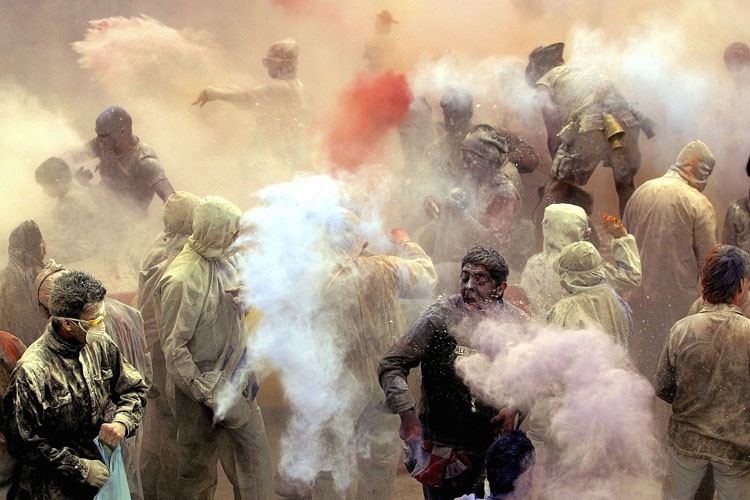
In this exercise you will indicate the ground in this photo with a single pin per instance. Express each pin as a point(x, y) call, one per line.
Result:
point(407, 488)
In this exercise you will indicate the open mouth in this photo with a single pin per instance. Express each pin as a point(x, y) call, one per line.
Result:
point(470, 302)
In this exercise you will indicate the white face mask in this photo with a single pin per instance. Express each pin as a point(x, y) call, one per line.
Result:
point(95, 333)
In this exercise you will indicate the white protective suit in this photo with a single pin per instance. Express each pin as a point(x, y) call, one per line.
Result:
point(564, 224)
point(362, 300)
point(675, 227)
point(158, 464)
point(200, 329)
point(592, 301)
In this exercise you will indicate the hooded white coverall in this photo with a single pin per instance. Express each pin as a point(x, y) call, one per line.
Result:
point(675, 227)
point(198, 322)
point(564, 224)
point(591, 301)
point(158, 463)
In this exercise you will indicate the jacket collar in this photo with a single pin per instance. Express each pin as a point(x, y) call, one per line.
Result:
point(708, 307)
point(66, 348)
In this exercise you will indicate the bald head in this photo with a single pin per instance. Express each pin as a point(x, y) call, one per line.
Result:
point(113, 119)
point(114, 130)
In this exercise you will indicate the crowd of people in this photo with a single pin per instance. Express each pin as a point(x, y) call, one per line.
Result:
point(149, 376)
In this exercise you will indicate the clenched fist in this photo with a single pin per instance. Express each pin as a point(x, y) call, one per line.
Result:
point(112, 434)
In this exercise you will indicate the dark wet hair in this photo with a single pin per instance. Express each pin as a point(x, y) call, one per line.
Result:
point(723, 271)
point(489, 258)
point(747, 167)
point(508, 458)
point(53, 171)
point(72, 292)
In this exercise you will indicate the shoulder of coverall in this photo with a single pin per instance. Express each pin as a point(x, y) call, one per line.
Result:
point(694, 164)
point(178, 212)
point(551, 77)
point(215, 221)
point(562, 225)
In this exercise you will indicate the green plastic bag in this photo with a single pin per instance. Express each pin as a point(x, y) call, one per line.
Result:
point(116, 487)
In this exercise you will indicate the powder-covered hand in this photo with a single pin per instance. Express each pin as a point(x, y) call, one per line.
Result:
point(112, 434)
point(410, 428)
point(614, 226)
point(98, 474)
point(507, 418)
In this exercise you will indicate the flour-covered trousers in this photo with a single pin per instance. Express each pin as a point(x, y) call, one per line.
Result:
point(244, 454)
point(686, 473)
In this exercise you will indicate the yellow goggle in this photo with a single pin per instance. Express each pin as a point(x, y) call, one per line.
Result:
point(90, 322)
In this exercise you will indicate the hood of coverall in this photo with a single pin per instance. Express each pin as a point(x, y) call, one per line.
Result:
point(563, 224)
point(178, 212)
point(215, 221)
point(26, 246)
point(580, 267)
point(343, 236)
point(695, 164)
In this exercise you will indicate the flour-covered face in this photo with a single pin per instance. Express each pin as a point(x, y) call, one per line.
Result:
point(478, 288)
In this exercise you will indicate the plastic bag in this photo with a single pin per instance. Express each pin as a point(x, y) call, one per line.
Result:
point(116, 487)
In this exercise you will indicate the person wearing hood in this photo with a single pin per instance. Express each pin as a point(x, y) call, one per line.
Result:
point(562, 225)
point(124, 325)
point(18, 310)
point(454, 427)
point(158, 468)
point(283, 107)
point(481, 209)
point(588, 121)
point(362, 300)
point(592, 302)
point(200, 320)
point(675, 226)
point(70, 386)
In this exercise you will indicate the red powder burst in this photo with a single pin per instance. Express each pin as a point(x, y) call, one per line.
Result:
point(367, 110)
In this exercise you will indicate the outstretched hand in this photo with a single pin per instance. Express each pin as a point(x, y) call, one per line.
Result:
point(614, 226)
point(202, 98)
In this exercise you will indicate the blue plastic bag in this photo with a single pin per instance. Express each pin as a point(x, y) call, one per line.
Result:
point(116, 487)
